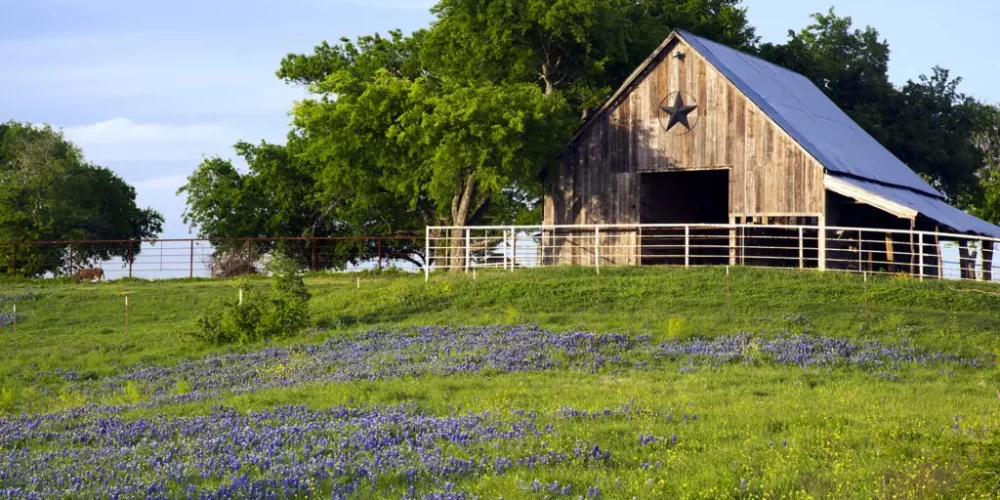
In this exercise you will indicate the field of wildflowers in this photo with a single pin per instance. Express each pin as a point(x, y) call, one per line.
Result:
point(789, 407)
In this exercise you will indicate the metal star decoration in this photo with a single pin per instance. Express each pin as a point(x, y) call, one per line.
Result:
point(678, 112)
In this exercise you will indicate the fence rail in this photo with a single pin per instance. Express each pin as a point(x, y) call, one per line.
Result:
point(920, 254)
point(178, 257)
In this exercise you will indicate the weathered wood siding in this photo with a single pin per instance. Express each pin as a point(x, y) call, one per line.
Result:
point(598, 181)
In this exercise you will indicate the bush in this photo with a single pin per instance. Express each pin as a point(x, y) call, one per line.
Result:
point(281, 312)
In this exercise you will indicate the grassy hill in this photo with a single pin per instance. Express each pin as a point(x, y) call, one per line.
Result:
point(652, 383)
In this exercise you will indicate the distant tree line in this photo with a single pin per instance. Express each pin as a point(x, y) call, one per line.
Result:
point(49, 192)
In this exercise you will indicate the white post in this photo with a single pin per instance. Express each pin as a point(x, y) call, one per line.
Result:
point(427, 253)
point(687, 245)
point(241, 298)
point(513, 248)
point(821, 244)
point(468, 250)
point(979, 262)
point(861, 263)
point(920, 244)
point(802, 250)
point(504, 249)
point(597, 249)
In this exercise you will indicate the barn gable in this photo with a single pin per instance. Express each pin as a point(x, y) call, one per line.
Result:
point(781, 143)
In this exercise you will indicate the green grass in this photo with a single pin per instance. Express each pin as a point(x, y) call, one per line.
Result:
point(848, 433)
point(82, 327)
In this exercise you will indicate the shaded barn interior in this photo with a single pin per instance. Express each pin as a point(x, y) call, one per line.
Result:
point(684, 197)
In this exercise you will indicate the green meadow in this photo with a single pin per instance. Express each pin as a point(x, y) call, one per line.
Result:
point(748, 426)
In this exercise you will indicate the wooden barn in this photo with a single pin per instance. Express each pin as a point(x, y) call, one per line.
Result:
point(701, 133)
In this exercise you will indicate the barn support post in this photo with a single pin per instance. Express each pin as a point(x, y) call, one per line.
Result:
point(987, 260)
point(889, 258)
point(802, 249)
point(468, 248)
point(687, 245)
point(920, 245)
point(597, 249)
point(965, 263)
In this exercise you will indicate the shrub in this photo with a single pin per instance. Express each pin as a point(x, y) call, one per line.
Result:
point(281, 312)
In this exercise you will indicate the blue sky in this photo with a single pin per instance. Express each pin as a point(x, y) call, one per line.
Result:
point(150, 88)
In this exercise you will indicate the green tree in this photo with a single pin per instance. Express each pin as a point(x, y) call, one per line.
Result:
point(48, 192)
point(987, 140)
point(927, 123)
point(426, 150)
point(585, 48)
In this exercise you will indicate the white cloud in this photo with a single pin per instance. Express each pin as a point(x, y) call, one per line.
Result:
point(125, 131)
point(168, 183)
point(121, 139)
point(423, 5)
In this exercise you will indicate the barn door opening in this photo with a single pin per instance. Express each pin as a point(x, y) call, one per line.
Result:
point(686, 197)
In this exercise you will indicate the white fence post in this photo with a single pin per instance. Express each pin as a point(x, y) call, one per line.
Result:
point(427, 253)
point(687, 245)
point(468, 250)
point(513, 248)
point(504, 231)
point(920, 244)
point(597, 249)
point(861, 245)
point(802, 249)
point(821, 244)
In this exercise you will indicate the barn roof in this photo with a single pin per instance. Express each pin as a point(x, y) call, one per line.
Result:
point(807, 115)
point(810, 117)
point(849, 153)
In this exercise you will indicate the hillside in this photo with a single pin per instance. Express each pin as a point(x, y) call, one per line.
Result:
point(653, 382)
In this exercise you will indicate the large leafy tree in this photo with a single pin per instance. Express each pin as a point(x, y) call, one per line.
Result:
point(583, 48)
point(48, 192)
point(397, 149)
point(987, 140)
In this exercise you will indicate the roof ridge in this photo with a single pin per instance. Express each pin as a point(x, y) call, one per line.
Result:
point(748, 54)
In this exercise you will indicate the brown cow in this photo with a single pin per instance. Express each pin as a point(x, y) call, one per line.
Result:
point(89, 274)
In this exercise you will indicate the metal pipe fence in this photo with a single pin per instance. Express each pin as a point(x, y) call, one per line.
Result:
point(920, 254)
point(205, 258)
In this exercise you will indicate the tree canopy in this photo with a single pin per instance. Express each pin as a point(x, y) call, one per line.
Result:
point(927, 123)
point(48, 192)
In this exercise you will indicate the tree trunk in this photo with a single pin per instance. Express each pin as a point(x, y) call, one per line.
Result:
point(460, 208)
point(547, 79)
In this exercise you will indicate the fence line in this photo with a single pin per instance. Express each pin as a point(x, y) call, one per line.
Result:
point(199, 257)
point(921, 254)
